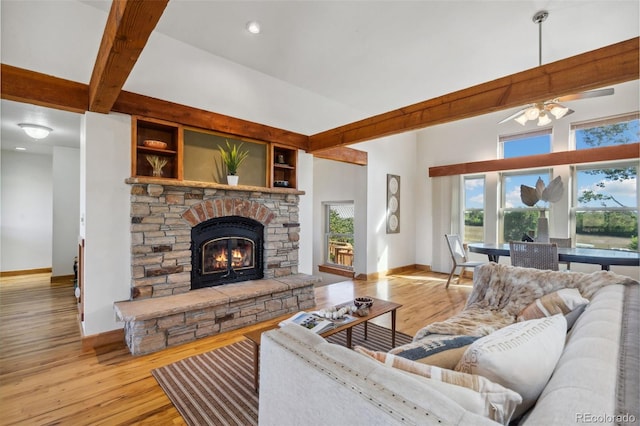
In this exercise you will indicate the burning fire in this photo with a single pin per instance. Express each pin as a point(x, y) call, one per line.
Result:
point(239, 258)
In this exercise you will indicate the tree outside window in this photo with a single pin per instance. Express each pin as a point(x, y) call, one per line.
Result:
point(606, 205)
point(339, 234)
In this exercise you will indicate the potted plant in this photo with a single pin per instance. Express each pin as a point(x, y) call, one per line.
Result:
point(232, 157)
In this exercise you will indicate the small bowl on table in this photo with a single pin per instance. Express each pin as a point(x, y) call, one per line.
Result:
point(150, 143)
point(363, 302)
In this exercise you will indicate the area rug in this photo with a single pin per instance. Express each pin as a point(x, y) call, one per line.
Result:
point(216, 388)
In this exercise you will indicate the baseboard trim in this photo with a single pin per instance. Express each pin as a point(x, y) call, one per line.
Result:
point(25, 272)
point(336, 271)
point(392, 271)
point(100, 340)
point(62, 279)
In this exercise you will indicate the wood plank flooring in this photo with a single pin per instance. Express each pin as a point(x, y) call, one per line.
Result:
point(47, 379)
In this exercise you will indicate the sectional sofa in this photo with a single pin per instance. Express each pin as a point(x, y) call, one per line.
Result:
point(530, 347)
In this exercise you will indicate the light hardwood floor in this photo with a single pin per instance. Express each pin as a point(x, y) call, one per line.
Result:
point(46, 378)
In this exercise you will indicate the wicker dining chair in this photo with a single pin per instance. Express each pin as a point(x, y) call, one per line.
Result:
point(563, 243)
point(458, 256)
point(534, 255)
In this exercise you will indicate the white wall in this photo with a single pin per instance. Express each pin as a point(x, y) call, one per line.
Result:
point(305, 215)
point(66, 209)
point(390, 155)
point(334, 181)
point(26, 228)
point(105, 164)
point(375, 250)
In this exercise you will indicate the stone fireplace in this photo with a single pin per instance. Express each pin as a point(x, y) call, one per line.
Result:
point(208, 258)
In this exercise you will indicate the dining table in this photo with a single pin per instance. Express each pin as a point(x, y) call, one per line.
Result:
point(595, 256)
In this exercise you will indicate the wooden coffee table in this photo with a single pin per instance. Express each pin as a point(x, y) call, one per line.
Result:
point(380, 307)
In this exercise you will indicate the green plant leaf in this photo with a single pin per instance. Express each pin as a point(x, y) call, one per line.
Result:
point(232, 157)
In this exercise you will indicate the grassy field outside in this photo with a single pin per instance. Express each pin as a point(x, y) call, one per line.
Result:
point(474, 234)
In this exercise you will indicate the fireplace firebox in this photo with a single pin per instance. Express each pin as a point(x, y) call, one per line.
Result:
point(225, 250)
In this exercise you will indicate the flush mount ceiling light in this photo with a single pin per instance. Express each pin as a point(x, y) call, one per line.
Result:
point(253, 27)
point(36, 131)
point(542, 111)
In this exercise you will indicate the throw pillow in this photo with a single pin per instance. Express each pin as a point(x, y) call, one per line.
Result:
point(436, 349)
point(521, 357)
point(480, 395)
point(567, 301)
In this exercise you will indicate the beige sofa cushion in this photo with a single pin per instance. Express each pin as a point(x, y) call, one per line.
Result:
point(567, 301)
point(520, 357)
point(488, 399)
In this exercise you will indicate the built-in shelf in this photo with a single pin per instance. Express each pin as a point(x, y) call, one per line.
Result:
point(280, 160)
point(157, 130)
point(283, 170)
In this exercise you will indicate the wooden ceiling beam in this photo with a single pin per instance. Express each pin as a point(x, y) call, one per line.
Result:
point(578, 156)
point(344, 154)
point(20, 85)
point(614, 64)
point(31, 87)
point(129, 25)
point(134, 104)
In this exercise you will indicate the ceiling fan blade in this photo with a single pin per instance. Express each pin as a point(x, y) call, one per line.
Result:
point(585, 95)
point(512, 116)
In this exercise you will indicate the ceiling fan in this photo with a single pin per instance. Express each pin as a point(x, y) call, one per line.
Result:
point(542, 111)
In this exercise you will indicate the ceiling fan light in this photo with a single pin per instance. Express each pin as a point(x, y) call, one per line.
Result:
point(522, 119)
point(543, 120)
point(532, 113)
point(36, 131)
point(559, 111)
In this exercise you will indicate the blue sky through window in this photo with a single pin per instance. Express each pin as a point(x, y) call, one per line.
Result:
point(624, 191)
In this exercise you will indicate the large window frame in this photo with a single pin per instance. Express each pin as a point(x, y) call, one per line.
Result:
point(608, 218)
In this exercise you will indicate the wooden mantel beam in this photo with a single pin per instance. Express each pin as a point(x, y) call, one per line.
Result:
point(614, 64)
point(135, 104)
point(127, 31)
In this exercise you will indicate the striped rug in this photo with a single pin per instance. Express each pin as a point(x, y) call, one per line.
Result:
point(216, 388)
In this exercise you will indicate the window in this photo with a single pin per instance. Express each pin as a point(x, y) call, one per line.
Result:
point(606, 206)
point(608, 132)
point(339, 237)
point(526, 144)
point(517, 218)
point(473, 209)
point(606, 195)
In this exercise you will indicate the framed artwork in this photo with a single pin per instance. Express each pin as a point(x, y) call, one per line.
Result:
point(393, 204)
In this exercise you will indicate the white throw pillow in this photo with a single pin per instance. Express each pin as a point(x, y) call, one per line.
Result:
point(520, 357)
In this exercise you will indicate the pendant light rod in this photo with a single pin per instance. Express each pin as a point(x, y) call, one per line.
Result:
point(539, 18)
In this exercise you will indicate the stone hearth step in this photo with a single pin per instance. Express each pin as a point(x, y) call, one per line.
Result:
point(155, 323)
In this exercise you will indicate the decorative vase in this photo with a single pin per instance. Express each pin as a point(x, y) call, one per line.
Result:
point(543, 228)
point(232, 180)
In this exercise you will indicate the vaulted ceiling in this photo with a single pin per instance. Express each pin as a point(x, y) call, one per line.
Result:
point(340, 72)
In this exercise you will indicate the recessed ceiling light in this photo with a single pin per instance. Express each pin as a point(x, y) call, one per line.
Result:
point(20, 148)
point(253, 27)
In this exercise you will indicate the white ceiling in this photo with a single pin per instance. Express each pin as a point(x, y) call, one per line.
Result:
point(339, 61)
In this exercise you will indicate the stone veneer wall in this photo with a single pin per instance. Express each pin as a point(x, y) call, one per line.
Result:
point(162, 216)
